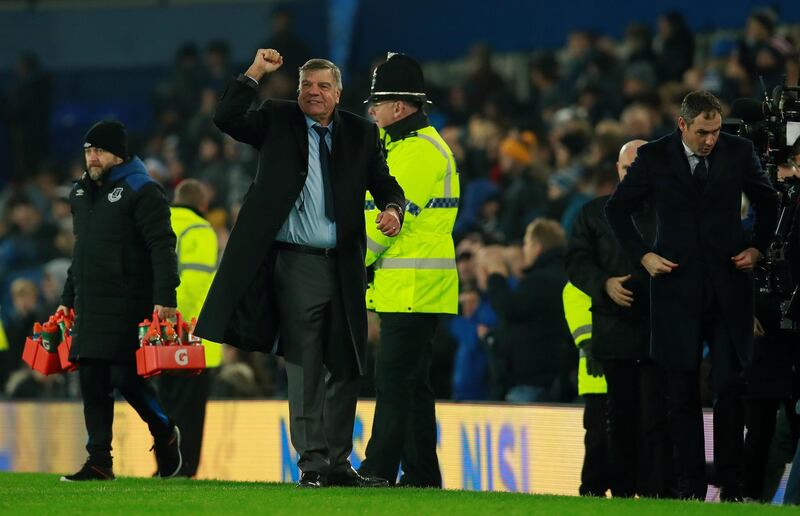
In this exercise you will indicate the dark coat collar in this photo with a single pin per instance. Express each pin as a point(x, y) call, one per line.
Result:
point(407, 126)
point(190, 208)
point(547, 259)
point(717, 162)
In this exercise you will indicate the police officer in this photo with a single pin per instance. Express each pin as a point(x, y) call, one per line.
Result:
point(123, 268)
point(185, 397)
point(415, 276)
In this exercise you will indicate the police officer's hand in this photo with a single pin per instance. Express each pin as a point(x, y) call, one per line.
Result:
point(388, 222)
point(593, 366)
point(164, 312)
point(267, 60)
point(619, 294)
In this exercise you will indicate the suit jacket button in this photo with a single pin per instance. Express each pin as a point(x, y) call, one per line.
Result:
point(304, 173)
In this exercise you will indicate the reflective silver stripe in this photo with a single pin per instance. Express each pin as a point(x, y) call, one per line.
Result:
point(448, 188)
point(375, 247)
point(582, 353)
point(195, 267)
point(194, 226)
point(416, 263)
point(582, 330)
point(192, 266)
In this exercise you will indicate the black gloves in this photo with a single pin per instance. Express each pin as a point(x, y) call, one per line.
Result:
point(593, 366)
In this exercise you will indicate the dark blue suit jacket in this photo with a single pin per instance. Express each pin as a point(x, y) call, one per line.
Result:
point(700, 230)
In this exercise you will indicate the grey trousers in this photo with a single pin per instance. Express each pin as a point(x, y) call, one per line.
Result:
point(322, 403)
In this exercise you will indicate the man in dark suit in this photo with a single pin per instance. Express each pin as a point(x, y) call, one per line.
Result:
point(701, 286)
point(294, 265)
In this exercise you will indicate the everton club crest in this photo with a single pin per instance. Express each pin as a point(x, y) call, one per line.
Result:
point(115, 195)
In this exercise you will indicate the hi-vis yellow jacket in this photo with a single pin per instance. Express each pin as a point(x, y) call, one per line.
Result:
point(577, 310)
point(197, 263)
point(416, 271)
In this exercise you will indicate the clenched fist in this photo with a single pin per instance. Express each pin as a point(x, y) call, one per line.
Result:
point(388, 222)
point(267, 60)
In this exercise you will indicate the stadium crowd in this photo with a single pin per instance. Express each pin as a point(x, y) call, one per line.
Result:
point(523, 154)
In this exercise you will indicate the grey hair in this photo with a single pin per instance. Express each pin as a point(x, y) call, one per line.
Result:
point(321, 64)
point(698, 102)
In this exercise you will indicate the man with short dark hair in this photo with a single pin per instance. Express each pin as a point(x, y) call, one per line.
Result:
point(123, 269)
point(701, 286)
point(294, 264)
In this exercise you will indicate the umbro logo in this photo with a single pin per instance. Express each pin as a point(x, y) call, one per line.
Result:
point(115, 195)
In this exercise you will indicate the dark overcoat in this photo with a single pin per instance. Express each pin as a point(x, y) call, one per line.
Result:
point(123, 263)
point(239, 309)
point(593, 256)
point(700, 230)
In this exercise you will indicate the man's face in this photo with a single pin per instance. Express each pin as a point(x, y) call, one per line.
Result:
point(98, 161)
point(318, 95)
point(701, 133)
point(383, 112)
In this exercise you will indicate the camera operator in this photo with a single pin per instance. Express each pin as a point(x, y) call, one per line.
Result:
point(773, 126)
point(776, 367)
point(769, 383)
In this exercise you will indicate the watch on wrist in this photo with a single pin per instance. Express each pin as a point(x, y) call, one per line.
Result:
point(399, 209)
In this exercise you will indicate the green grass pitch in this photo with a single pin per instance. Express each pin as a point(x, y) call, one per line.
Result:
point(33, 493)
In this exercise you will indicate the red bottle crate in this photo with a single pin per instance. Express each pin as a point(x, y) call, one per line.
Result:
point(40, 359)
point(171, 360)
point(63, 355)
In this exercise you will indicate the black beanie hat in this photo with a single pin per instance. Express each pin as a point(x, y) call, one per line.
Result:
point(109, 135)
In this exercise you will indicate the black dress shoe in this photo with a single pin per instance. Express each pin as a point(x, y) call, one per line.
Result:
point(310, 479)
point(351, 478)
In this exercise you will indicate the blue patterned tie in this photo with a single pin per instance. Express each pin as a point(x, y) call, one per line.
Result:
point(325, 167)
